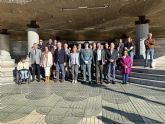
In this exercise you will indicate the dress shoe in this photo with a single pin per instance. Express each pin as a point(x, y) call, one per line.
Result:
point(113, 82)
point(62, 81)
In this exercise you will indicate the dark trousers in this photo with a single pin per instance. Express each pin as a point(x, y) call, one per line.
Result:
point(67, 71)
point(105, 70)
point(93, 70)
point(99, 71)
point(36, 67)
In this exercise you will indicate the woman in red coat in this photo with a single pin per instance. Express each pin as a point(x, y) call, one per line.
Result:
point(125, 62)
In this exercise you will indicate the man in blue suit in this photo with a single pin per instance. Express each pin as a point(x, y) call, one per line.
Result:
point(86, 57)
point(60, 61)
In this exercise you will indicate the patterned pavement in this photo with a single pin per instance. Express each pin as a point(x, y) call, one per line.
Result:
point(66, 103)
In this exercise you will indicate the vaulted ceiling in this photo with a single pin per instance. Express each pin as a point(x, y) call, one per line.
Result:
point(82, 19)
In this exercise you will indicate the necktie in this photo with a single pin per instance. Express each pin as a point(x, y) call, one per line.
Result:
point(35, 51)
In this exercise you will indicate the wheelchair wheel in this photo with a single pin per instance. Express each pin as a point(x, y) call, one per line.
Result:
point(18, 81)
point(29, 77)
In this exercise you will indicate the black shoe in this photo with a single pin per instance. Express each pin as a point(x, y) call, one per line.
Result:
point(84, 81)
point(151, 66)
point(38, 80)
point(108, 82)
point(113, 82)
point(90, 82)
point(62, 81)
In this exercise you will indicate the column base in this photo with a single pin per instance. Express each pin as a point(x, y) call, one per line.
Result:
point(7, 65)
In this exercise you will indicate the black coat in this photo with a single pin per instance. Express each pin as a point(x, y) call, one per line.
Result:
point(113, 56)
point(61, 58)
point(102, 56)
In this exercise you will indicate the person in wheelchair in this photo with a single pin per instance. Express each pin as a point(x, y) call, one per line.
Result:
point(23, 70)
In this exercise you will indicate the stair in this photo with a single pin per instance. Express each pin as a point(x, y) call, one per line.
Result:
point(146, 76)
point(6, 71)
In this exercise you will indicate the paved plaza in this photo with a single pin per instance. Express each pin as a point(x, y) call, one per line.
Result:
point(66, 103)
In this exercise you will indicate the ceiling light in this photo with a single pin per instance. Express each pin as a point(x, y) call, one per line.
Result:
point(86, 7)
point(16, 1)
point(82, 7)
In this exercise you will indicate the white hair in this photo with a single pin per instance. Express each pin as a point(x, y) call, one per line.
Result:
point(150, 34)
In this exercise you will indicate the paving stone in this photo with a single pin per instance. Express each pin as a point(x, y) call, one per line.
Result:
point(65, 103)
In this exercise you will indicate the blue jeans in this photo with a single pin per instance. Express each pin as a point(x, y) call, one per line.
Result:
point(149, 53)
point(111, 71)
point(58, 68)
point(125, 78)
point(131, 54)
point(87, 68)
point(24, 74)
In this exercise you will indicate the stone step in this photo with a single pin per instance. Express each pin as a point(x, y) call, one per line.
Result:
point(7, 63)
point(144, 81)
point(6, 80)
point(146, 76)
point(148, 70)
point(9, 69)
point(6, 74)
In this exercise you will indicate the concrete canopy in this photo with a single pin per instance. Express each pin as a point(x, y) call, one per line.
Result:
point(82, 19)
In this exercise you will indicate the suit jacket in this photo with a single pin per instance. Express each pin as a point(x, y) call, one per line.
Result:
point(113, 55)
point(90, 54)
point(79, 51)
point(60, 56)
point(102, 56)
point(35, 56)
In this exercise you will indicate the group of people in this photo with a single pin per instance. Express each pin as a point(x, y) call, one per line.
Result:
point(96, 61)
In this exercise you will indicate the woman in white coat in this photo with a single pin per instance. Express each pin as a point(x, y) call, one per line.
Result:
point(47, 62)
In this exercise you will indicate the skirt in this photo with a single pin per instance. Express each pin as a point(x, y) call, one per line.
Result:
point(47, 71)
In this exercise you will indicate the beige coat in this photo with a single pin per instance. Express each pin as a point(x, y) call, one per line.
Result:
point(47, 62)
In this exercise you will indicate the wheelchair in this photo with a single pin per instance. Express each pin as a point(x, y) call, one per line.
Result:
point(19, 80)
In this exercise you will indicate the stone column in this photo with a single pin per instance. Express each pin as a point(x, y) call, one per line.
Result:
point(33, 36)
point(4, 45)
point(142, 30)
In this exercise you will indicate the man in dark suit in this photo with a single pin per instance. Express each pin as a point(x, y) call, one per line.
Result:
point(98, 61)
point(111, 57)
point(60, 61)
point(105, 70)
point(93, 68)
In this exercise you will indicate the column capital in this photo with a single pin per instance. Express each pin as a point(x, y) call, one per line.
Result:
point(33, 24)
point(142, 20)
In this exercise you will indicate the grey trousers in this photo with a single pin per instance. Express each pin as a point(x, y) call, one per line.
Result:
point(74, 71)
point(87, 69)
